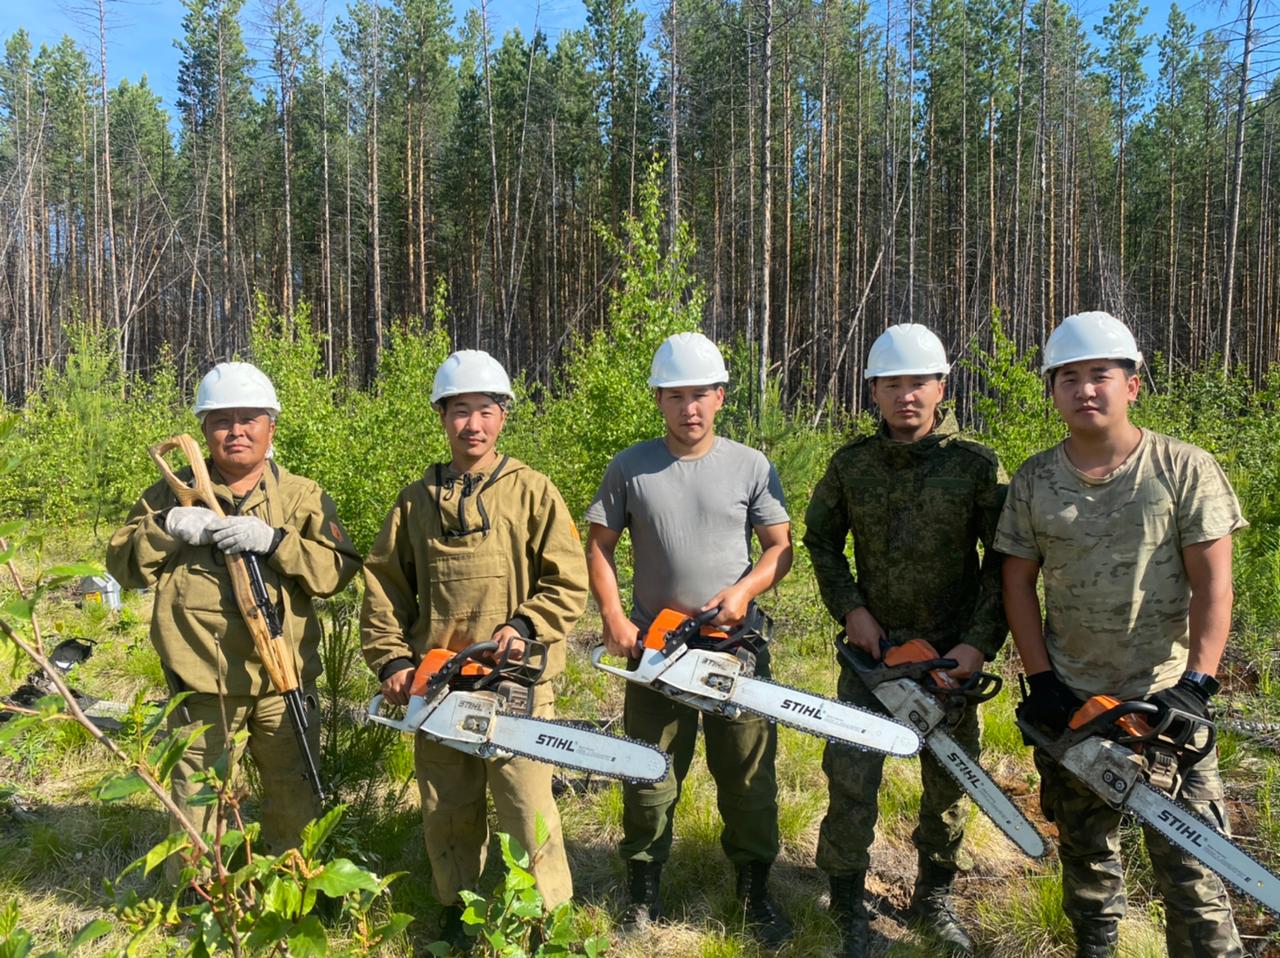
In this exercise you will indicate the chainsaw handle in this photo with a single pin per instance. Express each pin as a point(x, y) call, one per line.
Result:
point(1104, 720)
point(374, 713)
point(705, 617)
point(454, 666)
point(858, 659)
point(980, 687)
point(597, 659)
point(876, 672)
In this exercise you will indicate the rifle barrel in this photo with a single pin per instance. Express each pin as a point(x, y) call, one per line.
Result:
point(298, 719)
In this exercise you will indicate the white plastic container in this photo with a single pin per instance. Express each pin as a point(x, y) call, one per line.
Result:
point(102, 589)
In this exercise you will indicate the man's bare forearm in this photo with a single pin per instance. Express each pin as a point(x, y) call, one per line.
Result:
point(1022, 609)
point(1208, 568)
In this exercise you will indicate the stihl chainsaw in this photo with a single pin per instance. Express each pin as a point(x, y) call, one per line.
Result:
point(1129, 755)
point(483, 710)
point(911, 681)
point(714, 671)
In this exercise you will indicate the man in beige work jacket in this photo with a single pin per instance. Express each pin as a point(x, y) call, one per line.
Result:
point(480, 548)
point(204, 645)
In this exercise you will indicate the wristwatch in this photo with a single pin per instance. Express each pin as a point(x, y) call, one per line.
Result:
point(1203, 681)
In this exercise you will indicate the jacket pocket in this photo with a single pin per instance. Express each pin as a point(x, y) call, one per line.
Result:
point(468, 597)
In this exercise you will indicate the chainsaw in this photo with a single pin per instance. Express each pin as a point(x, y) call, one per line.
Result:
point(484, 710)
point(687, 660)
point(1130, 754)
point(912, 683)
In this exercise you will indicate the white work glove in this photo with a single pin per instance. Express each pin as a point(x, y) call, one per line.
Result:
point(190, 524)
point(234, 534)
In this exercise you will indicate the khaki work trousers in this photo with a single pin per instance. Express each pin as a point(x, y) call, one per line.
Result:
point(287, 801)
point(740, 757)
point(853, 788)
point(455, 820)
point(1197, 911)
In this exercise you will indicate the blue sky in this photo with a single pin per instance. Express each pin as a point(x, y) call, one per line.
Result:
point(142, 32)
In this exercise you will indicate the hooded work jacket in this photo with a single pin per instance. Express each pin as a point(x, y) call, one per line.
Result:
point(461, 555)
point(917, 511)
point(196, 625)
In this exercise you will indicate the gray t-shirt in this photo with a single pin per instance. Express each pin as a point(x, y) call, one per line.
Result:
point(690, 519)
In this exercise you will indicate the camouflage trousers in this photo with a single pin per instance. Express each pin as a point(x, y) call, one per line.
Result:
point(1197, 910)
point(853, 786)
point(740, 757)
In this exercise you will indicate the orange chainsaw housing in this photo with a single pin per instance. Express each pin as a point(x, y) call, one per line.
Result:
point(918, 650)
point(668, 620)
point(1131, 724)
point(433, 662)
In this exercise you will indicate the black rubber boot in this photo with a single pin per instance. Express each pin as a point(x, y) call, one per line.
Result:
point(453, 931)
point(764, 920)
point(849, 911)
point(1097, 940)
point(931, 910)
point(644, 905)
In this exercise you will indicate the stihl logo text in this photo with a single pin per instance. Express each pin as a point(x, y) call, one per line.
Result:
point(1182, 827)
point(553, 741)
point(969, 774)
point(810, 711)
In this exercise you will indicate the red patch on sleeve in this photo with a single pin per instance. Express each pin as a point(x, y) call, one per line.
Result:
point(336, 530)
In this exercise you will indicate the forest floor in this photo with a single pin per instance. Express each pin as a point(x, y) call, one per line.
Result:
point(57, 842)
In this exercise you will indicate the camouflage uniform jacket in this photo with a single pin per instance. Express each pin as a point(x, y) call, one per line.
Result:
point(195, 623)
point(461, 555)
point(917, 511)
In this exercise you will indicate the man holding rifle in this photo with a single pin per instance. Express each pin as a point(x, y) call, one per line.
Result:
point(286, 526)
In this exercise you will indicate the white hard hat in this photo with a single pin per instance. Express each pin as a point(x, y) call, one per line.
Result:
point(470, 371)
point(687, 359)
point(907, 349)
point(235, 386)
point(1095, 335)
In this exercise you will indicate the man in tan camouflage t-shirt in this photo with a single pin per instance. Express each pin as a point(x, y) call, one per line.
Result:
point(1132, 533)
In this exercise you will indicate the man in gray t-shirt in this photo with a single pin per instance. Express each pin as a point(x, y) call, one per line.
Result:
point(692, 501)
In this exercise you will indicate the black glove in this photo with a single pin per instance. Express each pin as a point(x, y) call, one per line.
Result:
point(1049, 702)
point(1186, 696)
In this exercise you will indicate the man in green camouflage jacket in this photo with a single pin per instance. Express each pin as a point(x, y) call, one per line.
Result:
point(917, 499)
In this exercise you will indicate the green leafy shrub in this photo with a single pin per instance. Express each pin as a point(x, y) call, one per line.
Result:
point(512, 920)
point(235, 902)
point(1015, 415)
point(79, 446)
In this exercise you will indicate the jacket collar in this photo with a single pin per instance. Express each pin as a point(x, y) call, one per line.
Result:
point(945, 428)
point(265, 489)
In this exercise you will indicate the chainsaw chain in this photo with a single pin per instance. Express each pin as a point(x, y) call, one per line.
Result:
point(1192, 814)
point(562, 723)
point(835, 741)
